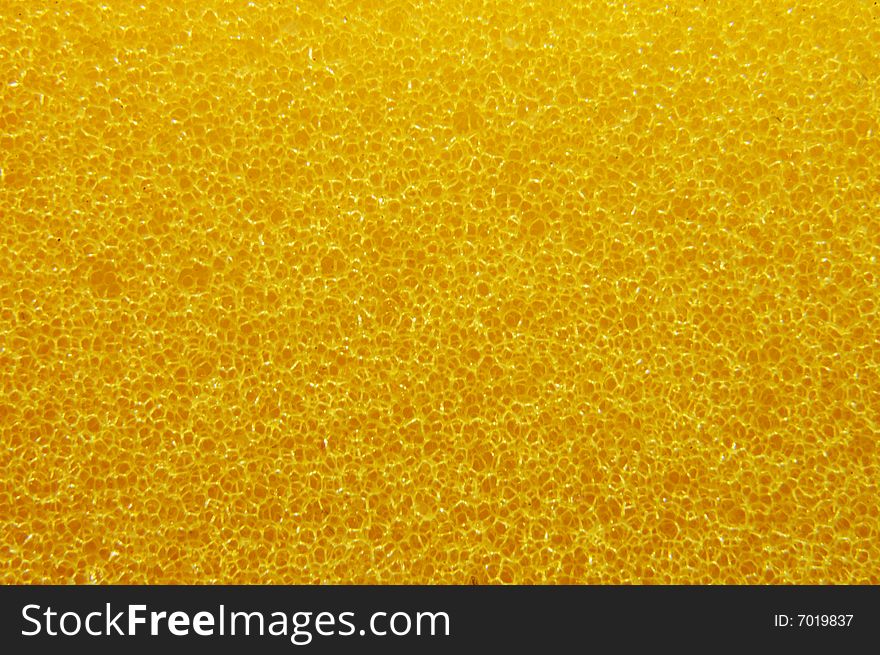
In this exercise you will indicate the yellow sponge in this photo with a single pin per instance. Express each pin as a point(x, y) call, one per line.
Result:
point(439, 292)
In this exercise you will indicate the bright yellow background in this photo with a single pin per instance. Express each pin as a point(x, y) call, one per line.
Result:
point(439, 292)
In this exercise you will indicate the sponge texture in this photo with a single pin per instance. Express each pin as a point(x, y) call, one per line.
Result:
point(439, 292)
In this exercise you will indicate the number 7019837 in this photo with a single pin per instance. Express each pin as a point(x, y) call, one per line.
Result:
point(812, 620)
